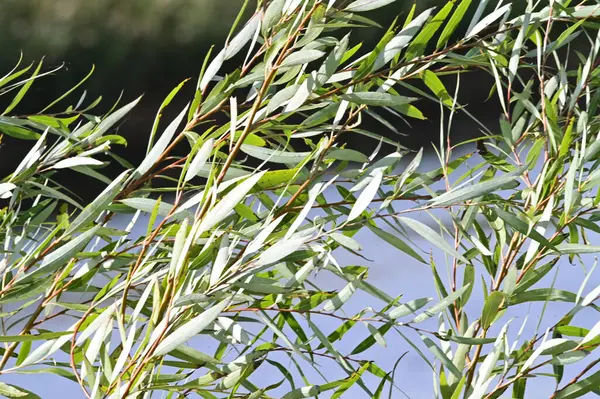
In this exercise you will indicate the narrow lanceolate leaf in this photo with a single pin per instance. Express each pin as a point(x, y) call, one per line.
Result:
point(515, 56)
point(161, 144)
point(148, 205)
point(395, 241)
point(91, 212)
point(220, 260)
point(487, 367)
point(577, 249)
point(441, 305)
point(438, 353)
point(523, 228)
point(33, 337)
point(212, 69)
point(190, 329)
point(419, 44)
point(309, 391)
point(367, 5)
point(345, 293)
point(243, 37)
point(24, 89)
point(233, 123)
point(400, 41)
point(491, 308)
point(6, 187)
point(281, 97)
point(280, 250)
point(272, 15)
point(302, 57)
point(430, 235)
point(476, 190)
point(226, 205)
point(542, 295)
point(455, 20)
point(376, 98)
point(76, 161)
point(580, 388)
point(199, 160)
point(436, 86)
point(408, 308)
point(365, 198)
point(592, 334)
point(115, 117)
point(345, 154)
point(63, 254)
point(570, 185)
point(488, 20)
point(345, 241)
point(10, 391)
point(276, 156)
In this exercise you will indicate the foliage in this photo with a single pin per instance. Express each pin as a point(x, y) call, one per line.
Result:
point(236, 244)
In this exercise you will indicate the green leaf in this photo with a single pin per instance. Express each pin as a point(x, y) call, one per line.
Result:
point(580, 388)
point(10, 391)
point(408, 308)
point(190, 329)
point(274, 178)
point(467, 340)
point(226, 205)
point(276, 156)
point(368, 194)
point(281, 97)
point(309, 391)
point(24, 89)
point(33, 337)
point(436, 86)
point(113, 118)
point(342, 297)
point(159, 113)
point(371, 339)
point(419, 44)
point(441, 356)
point(343, 154)
point(441, 305)
point(379, 99)
point(523, 228)
point(542, 295)
point(199, 160)
point(147, 205)
point(272, 15)
point(346, 241)
point(402, 39)
point(577, 249)
point(63, 254)
point(430, 235)
point(411, 111)
point(491, 308)
point(280, 250)
point(242, 38)
point(488, 20)
point(393, 240)
point(99, 205)
point(476, 190)
point(18, 132)
point(455, 20)
point(302, 57)
point(161, 144)
point(367, 5)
